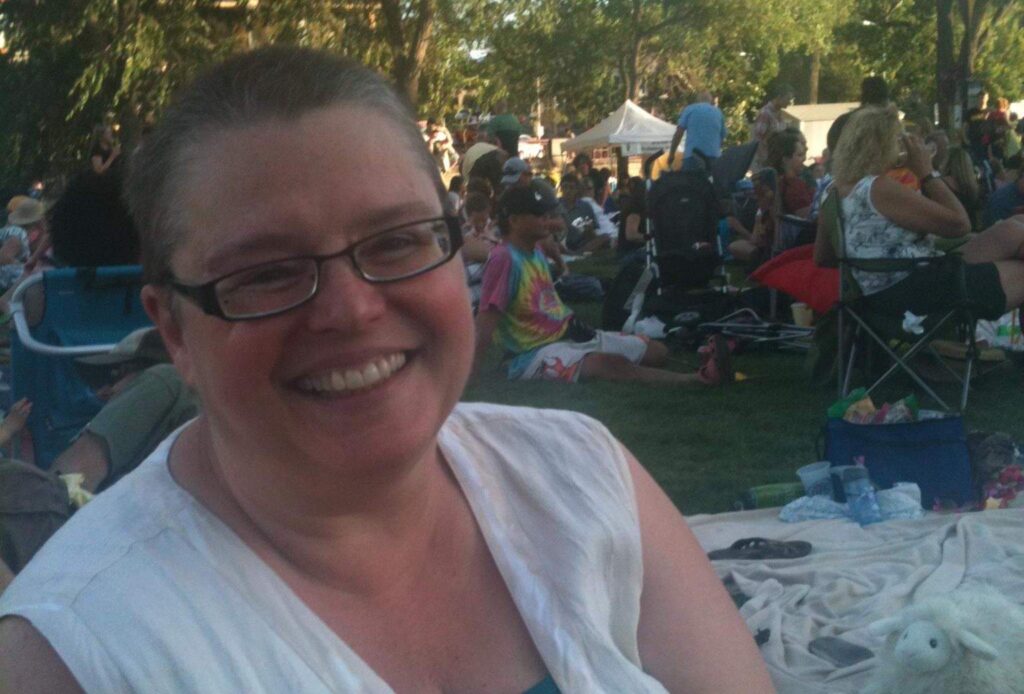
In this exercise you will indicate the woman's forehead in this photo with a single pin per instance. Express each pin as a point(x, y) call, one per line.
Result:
point(328, 169)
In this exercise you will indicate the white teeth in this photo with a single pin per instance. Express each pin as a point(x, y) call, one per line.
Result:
point(353, 379)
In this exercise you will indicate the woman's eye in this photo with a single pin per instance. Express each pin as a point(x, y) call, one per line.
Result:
point(399, 243)
point(267, 277)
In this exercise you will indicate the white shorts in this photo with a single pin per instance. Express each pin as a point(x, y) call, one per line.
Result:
point(563, 360)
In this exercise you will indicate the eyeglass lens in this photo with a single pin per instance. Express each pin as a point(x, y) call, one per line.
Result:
point(385, 257)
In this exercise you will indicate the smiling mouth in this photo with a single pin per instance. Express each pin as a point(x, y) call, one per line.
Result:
point(346, 380)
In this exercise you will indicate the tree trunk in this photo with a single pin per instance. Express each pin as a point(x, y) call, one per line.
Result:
point(946, 72)
point(411, 53)
point(631, 67)
point(815, 77)
point(621, 167)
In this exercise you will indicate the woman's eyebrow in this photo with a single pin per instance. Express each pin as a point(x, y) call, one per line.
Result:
point(254, 243)
point(381, 218)
point(376, 219)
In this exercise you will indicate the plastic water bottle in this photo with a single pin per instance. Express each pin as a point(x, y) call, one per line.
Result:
point(860, 496)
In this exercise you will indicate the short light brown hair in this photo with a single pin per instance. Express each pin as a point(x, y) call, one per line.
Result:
point(267, 85)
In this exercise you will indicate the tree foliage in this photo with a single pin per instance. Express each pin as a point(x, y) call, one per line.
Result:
point(71, 64)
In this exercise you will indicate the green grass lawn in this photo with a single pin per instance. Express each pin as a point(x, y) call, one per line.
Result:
point(705, 446)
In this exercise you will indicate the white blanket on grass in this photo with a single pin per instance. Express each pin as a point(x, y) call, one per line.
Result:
point(855, 576)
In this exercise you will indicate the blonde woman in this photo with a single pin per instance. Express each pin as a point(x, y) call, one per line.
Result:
point(884, 219)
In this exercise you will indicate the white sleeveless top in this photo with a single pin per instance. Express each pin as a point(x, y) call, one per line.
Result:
point(870, 235)
point(146, 590)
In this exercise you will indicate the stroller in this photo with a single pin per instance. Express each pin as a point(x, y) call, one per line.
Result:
point(85, 311)
point(682, 255)
point(683, 258)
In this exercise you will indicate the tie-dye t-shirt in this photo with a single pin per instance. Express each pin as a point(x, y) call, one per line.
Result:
point(518, 285)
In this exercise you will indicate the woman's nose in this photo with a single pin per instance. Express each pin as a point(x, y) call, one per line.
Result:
point(344, 300)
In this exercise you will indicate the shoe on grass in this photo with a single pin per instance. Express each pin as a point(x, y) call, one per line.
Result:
point(717, 369)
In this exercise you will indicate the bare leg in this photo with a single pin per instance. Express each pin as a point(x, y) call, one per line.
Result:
point(1011, 276)
point(745, 251)
point(614, 367)
point(1002, 241)
point(656, 354)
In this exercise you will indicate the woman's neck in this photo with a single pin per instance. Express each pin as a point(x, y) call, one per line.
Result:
point(348, 533)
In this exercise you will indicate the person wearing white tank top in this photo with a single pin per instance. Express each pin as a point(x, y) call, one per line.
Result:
point(333, 520)
point(883, 218)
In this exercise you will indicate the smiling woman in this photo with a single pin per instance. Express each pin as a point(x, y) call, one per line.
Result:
point(334, 520)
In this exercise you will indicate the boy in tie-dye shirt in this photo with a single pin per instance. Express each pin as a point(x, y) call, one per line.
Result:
point(520, 310)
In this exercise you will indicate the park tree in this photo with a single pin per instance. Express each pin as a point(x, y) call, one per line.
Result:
point(971, 33)
point(76, 64)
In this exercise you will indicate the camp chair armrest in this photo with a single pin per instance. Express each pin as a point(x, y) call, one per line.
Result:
point(886, 265)
point(25, 333)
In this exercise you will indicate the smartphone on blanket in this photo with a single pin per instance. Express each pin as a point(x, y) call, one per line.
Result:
point(838, 652)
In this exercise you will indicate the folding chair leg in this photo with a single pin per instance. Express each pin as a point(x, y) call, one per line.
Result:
point(899, 363)
point(840, 375)
point(967, 384)
point(850, 362)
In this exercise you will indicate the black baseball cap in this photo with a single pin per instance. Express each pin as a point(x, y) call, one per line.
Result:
point(532, 200)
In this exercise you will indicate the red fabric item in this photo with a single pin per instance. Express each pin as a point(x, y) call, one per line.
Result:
point(795, 273)
point(796, 194)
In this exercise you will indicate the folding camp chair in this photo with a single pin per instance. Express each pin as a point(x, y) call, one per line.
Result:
point(85, 311)
point(861, 326)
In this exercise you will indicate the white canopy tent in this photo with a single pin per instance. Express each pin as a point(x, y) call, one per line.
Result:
point(629, 127)
point(814, 120)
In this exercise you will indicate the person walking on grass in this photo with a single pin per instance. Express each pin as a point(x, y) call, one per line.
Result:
point(704, 126)
point(521, 309)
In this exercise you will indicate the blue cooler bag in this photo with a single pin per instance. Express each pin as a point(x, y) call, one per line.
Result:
point(931, 452)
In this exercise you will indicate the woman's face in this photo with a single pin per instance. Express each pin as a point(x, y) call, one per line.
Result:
point(795, 163)
point(277, 386)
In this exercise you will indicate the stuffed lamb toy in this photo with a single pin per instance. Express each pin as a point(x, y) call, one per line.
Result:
point(969, 641)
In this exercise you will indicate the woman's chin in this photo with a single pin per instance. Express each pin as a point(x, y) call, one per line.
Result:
point(401, 413)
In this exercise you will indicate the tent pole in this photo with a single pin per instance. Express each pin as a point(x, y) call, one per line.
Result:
point(621, 166)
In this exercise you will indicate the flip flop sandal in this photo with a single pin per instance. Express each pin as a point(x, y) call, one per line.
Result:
point(761, 548)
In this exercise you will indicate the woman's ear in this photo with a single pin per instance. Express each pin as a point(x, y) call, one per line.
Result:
point(159, 303)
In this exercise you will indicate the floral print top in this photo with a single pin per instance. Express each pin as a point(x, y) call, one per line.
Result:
point(870, 235)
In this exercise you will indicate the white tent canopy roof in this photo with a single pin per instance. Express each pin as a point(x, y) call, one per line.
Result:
point(627, 125)
point(819, 112)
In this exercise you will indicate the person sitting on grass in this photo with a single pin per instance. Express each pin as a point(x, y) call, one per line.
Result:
point(479, 234)
point(520, 307)
point(753, 246)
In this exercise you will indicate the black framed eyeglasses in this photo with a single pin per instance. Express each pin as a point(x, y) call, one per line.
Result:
point(277, 286)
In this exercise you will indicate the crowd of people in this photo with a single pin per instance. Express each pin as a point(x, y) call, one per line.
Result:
point(289, 493)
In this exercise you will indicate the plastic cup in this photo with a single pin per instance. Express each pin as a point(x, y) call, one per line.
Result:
point(816, 478)
point(803, 316)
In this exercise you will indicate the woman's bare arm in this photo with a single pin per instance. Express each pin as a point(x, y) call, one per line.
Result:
point(28, 663)
point(691, 637)
point(936, 211)
point(633, 231)
point(475, 250)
